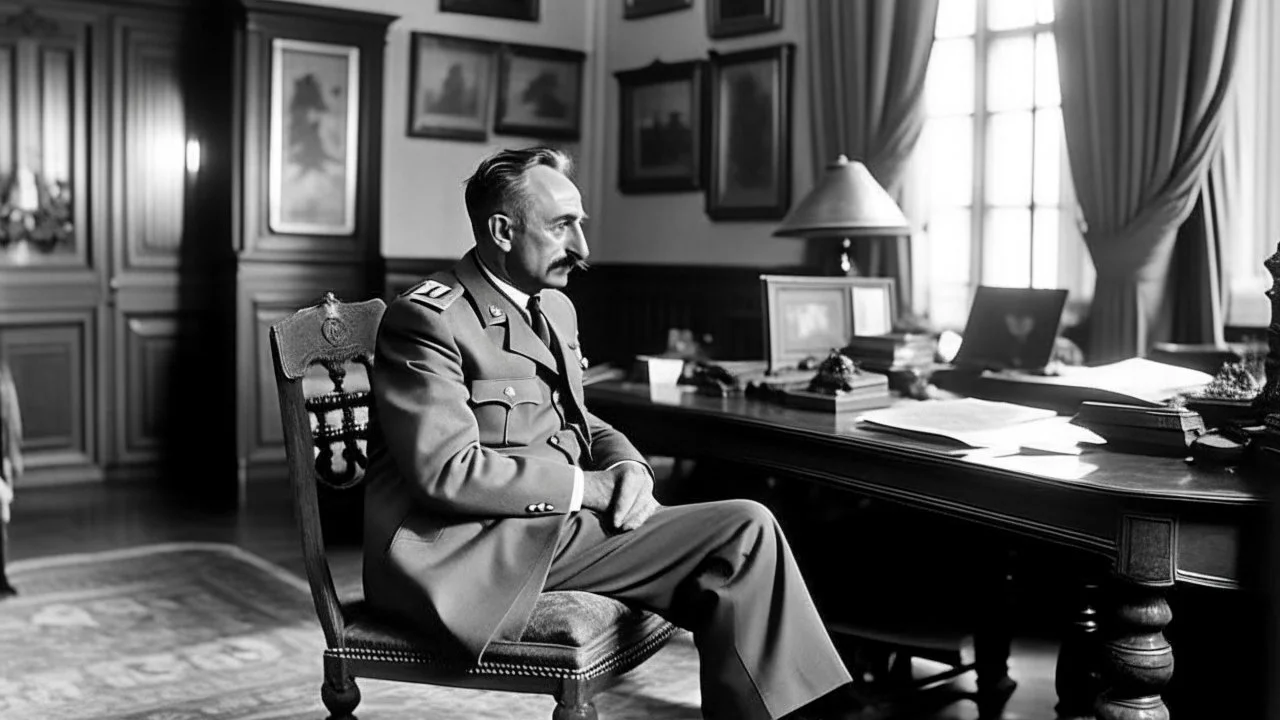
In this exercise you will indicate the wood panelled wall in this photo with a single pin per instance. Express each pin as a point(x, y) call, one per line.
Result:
point(624, 310)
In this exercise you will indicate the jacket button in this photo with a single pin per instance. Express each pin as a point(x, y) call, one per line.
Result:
point(555, 440)
point(550, 507)
point(555, 396)
point(509, 391)
point(531, 509)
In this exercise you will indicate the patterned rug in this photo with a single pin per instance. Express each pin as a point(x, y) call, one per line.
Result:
point(211, 632)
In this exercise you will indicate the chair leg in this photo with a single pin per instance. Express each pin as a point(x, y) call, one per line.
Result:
point(5, 588)
point(574, 702)
point(339, 692)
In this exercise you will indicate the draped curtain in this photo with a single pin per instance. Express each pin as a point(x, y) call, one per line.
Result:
point(867, 63)
point(1144, 83)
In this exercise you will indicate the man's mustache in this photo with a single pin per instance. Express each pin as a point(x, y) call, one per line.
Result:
point(572, 261)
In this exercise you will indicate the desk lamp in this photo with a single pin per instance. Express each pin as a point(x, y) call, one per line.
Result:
point(846, 203)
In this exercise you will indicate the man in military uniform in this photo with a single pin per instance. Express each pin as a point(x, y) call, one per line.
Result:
point(490, 481)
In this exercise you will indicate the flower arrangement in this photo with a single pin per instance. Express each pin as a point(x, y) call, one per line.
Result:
point(35, 212)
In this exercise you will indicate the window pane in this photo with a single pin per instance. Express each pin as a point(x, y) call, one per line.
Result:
point(1050, 153)
point(1047, 71)
point(1044, 11)
point(1006, 248)
point(1009, 147)
point(1044, 254)
point(948, 142)
point(948, 254)
point(949, 84)
point(1010, 73)
point(955, 18)
point(1009, 14)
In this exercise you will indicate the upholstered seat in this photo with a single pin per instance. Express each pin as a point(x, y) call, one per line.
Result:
point(575, 642)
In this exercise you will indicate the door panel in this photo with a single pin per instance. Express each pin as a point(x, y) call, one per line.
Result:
point(151, 346)
point(48, 358)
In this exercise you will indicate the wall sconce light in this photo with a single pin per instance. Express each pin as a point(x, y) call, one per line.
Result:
point(193, 156)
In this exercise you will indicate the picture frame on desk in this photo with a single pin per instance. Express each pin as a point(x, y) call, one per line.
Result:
point(314, 138)
point(661, 146)
point(807, 317)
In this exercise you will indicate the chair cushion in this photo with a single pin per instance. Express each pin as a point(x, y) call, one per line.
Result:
point(570, 634)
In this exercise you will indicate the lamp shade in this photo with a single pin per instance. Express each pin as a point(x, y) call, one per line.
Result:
point(846, 202)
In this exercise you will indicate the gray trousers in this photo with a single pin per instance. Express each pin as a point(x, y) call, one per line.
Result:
point(724, 571)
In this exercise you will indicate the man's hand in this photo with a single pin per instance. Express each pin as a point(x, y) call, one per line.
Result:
point(622, 494)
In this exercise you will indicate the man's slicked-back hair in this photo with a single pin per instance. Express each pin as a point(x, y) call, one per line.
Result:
point(498, 184)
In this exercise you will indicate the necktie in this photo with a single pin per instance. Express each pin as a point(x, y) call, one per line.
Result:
point(538, 320)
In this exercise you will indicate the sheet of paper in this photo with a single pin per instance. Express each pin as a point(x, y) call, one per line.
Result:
point(985, 424)
point(1139, 378)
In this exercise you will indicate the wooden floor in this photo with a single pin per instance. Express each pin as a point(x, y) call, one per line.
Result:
point(87, 518)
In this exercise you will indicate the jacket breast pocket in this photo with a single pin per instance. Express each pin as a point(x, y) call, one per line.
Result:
point(505, 409)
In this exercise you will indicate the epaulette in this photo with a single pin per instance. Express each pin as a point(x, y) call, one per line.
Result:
point(434, 294)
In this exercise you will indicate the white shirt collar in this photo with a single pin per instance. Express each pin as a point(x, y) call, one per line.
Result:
point(521, 299)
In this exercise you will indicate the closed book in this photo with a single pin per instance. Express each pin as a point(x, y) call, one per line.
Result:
point(1179, 419)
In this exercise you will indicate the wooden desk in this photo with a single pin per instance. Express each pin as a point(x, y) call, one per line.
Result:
point(1160, 521)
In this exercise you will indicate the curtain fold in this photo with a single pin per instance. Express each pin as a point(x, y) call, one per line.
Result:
point(867, 64)
point(1143, 87)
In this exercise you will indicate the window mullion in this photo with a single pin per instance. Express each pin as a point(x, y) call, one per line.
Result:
point(978, 207)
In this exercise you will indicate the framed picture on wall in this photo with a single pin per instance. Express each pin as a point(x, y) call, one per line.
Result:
point(660, 146)
point(644, 8)
point(451, 86)
point(539, 92)
point(314, 119)
point(808, 317)
point(749, 174)
point(729, 18)
point(509, 9)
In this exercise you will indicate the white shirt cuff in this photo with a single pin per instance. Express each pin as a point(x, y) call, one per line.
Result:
point(579, 480)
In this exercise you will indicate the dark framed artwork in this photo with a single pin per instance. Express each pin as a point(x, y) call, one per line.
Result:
point(660, 146)
point(632, 9)
point(807, 316)
point(749, 175)
point(539, 92)
point(315, 90)
point(729, 18)
point(451, 86)
point(509, 9)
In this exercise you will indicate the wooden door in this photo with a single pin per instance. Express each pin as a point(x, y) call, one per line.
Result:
point(51, 274)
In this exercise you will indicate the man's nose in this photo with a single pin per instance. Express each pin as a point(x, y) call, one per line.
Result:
point(578, 243)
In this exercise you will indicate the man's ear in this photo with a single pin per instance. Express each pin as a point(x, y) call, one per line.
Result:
point(502, 230)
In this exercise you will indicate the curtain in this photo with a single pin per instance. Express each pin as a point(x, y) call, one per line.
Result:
point(867, 63)
point(1143, 87)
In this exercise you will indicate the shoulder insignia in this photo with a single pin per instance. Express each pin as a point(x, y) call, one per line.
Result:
point(434, 294)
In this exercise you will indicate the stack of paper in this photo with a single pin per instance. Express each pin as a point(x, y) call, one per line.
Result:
point(984, 424)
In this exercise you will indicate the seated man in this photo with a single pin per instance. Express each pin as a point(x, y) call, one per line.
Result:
point(489, 481)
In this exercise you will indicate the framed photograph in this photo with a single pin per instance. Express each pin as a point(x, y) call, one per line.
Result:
point(315, 89)
point(509, 9)
point(808, 317)
point(729, 18)
point(660, 147)
point(644, 8)
point(749, 176)
point(451, 81)
point(1011, 328)
point(540, 92)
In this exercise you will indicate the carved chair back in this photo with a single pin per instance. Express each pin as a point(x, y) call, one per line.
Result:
point(323, 358)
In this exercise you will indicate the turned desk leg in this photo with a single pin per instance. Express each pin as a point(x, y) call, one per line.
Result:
point(1076, 675)
point(1137, 661)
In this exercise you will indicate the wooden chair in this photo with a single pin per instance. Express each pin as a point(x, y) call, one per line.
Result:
point(576, 642)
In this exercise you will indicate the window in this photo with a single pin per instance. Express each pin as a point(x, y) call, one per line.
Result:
point(1000, 208)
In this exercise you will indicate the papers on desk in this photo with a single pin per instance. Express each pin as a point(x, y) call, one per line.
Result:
point(1136, 380)
point(996, 426)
